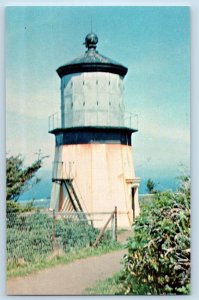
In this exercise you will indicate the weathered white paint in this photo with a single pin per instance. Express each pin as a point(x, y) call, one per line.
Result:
point(92, 99)
point(104, 175)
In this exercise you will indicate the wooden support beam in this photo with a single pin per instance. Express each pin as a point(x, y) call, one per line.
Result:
point(103, 229)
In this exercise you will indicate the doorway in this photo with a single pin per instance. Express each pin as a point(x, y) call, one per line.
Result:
point(133, 191)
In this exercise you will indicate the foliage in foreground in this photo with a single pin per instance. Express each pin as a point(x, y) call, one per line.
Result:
point(32, 238)
point(110, 286)
point(13, 207)
point(158, 259)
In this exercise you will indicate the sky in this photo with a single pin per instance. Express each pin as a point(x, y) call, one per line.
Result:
point(153, 42)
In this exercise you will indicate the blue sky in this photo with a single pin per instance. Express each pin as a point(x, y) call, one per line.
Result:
point(153, 42)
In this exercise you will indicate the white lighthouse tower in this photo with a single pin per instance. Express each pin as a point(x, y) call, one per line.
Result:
point(93, 169)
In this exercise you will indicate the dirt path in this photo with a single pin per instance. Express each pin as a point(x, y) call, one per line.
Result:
point(71, 279)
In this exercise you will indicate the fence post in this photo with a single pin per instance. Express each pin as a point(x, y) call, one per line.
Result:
point(115, 223)
point(113, 227)
point(53, 239)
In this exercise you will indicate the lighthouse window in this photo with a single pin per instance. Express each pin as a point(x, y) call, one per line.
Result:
point(83, 82)
point(71, 83)
point(97, 102)
point(84, 103)
point(109, 82)
point(71, 104)
point(97, 82)
point(109, 103)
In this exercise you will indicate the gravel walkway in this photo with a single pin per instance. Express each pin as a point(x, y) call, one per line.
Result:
point(70, 279)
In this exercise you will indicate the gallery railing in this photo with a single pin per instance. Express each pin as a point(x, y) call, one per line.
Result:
point(92, 118)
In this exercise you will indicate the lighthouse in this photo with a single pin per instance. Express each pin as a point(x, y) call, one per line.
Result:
point(93, 169)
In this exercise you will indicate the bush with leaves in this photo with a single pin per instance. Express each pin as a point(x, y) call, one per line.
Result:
point(75, 234)
point(30, 236)
point(158, 259)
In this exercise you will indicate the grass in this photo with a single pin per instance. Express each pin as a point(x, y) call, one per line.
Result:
point(113, 286)
point(110, 286)
point(24, 268)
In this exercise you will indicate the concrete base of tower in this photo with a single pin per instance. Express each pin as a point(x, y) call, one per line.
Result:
point(102, 178)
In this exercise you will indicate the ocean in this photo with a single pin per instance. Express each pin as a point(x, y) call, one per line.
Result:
point(39, 203)
point(40, 193)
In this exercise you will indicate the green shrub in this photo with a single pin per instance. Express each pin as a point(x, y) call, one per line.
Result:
point(13, 209)
point(158, 259)
point(75, 234)
point(30, 236)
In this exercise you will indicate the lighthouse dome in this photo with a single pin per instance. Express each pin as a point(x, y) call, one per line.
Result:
point(92, 61)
